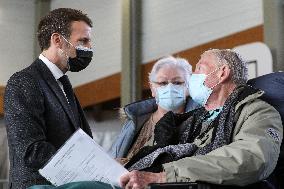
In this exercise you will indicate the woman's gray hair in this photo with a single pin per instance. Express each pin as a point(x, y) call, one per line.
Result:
point(235, 63)
point(179, 63)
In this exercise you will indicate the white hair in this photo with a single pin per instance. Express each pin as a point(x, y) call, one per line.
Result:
point(234, 61)
point(178, 63)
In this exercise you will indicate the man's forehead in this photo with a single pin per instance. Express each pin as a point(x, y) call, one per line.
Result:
point(208, 55)
point(80, 27)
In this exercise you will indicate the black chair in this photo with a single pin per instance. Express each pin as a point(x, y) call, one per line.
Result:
point(273, 85)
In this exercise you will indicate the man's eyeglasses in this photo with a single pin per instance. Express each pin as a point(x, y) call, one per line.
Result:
point(165, 83)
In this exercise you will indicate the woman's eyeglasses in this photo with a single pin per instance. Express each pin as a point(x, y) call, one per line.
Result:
point(165, 83)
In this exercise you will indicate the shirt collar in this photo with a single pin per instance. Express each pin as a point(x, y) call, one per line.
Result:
point(56, 72)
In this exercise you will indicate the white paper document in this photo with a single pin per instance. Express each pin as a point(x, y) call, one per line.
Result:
point(82, 159)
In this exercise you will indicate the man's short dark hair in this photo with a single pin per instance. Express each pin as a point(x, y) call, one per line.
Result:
point(59, 21)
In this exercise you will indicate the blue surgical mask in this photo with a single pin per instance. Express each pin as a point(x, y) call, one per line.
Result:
point(197, 90)
point(170, 97)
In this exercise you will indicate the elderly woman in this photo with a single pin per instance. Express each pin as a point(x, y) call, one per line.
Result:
point(168, 83)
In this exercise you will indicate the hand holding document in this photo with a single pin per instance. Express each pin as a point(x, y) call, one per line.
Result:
point(82, 159)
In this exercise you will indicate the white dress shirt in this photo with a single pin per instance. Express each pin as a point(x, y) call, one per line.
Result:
point(56, 72)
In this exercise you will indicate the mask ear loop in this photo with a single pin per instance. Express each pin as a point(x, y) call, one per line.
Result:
point(65, 53)
point(67, 57)
point(67, 41)
point(184, 93)
point(210, 74)
point(211, 88)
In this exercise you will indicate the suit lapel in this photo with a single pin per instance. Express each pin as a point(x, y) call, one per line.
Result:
point(52, 83)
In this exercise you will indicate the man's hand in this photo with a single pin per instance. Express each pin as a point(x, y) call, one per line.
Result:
point(140, 179)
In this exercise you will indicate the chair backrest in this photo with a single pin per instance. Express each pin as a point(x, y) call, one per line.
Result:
point(273, 86)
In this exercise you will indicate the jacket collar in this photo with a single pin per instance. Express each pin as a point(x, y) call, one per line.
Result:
point(56, 72)
point(148, 106)
point(249, 98)
point(140, 108)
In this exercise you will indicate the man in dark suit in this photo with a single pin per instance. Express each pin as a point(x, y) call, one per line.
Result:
point(41, 110)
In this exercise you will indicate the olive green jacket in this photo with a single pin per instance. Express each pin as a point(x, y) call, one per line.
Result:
point(252, 155)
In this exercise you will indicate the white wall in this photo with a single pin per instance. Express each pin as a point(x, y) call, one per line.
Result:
point(172, 26)
point(16, 36)
point(168, 27)
point(106, 17)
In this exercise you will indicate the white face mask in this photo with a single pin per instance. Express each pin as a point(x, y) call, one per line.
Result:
point(170, 97)
point(197, 90)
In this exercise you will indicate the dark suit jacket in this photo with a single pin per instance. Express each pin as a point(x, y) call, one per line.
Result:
point(39, 120)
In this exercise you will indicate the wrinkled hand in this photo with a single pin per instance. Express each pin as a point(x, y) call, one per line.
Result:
point(140, 179)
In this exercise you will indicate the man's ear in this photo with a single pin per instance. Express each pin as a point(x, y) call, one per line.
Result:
point(225, 74)
point(56, 40)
